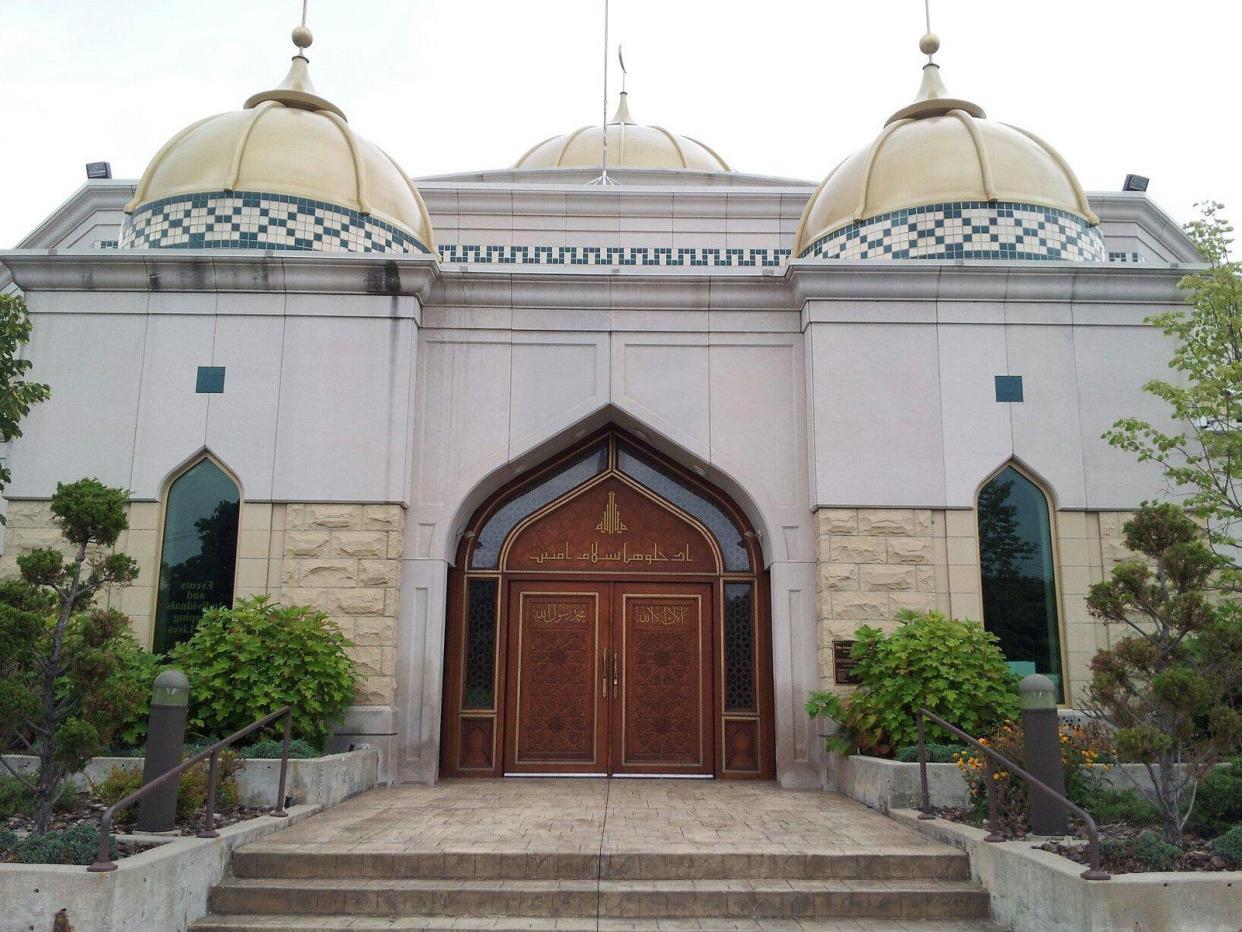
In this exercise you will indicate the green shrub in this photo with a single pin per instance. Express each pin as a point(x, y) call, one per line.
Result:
point(271, 748)
point(137, 668)
point(1229, 846)
point(936, 753)
point(1156, 854)
point(1218, 802)
point(1109, 805)
point(951, 667)
point(78, 844)
point(191, 792)
point(247, 661)
point(16, 799)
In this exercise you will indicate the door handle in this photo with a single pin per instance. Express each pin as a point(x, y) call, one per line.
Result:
point(616, 675)
point(604, 676)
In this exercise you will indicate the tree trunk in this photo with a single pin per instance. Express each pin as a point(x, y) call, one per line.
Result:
point(1169, 791)
point(49, 773)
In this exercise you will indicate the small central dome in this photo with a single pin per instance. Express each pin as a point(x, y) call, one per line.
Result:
point(943, 181)
point(630, 145)
point(284, 172)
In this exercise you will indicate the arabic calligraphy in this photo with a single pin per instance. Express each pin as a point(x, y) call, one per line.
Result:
point(664, 615)
point(611, 523)
point(552, 613)
point(623, 555)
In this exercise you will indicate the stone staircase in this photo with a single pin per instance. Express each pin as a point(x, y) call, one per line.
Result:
point(274, 889)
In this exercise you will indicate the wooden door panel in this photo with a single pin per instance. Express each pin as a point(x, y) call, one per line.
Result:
point(663, 714)
point(558, 710)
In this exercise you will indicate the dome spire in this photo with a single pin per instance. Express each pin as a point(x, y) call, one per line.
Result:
point(623, 107)
point(933, 98)
point(297, 89)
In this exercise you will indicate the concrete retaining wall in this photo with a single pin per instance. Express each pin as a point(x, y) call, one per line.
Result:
point(164, 888)
point(319, 781)
point(887, 784)
point(1038, 891)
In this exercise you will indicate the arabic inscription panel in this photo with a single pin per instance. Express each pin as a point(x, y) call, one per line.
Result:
point(611, 527)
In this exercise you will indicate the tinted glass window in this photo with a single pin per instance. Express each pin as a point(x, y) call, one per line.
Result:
point(728, 535)
point(486, 551)
point(1016, 566)
point(198, 558)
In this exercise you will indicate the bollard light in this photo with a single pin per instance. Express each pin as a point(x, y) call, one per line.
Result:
point(165, 737)
point(1041, 739)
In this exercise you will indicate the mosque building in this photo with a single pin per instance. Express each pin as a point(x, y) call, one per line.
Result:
point(601, 478)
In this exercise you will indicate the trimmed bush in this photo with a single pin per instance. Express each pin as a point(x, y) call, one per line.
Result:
point(78, 844)
point(1229, 846)
point(1218, 802)
point(1109, 805)
point(951, 667)
point(247, 661)
point(17, 800)
point(271, 748)
point(1154, 853)
point(936, 753)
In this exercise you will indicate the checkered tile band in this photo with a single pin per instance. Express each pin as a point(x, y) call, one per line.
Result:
point(248, 220)
point(681, 256)
point(965, 230)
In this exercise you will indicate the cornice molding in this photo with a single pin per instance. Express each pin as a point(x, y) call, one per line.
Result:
point(192, 270)
point(983, 280)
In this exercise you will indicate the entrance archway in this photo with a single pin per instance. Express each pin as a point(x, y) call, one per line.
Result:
point(608, 614)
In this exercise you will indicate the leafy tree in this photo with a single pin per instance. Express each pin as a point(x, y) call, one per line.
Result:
point(1204, 456)
point(951, 667)
point(60, 691)
point(1165, 687)
point(16, 393)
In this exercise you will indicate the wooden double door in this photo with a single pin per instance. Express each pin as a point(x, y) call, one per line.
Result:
point(610, 678)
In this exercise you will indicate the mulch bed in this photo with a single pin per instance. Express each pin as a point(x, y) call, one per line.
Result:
point(86, 810)
point(1116, 846)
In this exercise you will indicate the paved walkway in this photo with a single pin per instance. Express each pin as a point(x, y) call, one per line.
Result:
point(585, 816)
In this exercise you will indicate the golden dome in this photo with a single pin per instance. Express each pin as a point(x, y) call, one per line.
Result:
point(941, 150)
point(291, 143)
point(630, 145)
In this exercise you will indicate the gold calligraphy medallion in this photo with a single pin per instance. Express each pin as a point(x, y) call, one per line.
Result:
point(611, 523)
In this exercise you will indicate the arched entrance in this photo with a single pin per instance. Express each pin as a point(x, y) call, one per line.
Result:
point(608, 615)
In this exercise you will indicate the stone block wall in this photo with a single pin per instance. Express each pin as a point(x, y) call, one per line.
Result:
point(342, 559)
point(874, 562)
point(345, 560)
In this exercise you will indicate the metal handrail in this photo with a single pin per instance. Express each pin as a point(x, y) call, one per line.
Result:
point(925, 811)
point(104, 860)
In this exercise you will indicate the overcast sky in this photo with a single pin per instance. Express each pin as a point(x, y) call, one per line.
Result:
point(782, 87)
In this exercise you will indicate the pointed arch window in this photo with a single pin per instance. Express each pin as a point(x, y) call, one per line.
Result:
point(198, 552)
point(1018, 573)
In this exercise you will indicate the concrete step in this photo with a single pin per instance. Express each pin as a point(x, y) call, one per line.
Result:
point(215, 923)
point(612, 899)
point(255, 862)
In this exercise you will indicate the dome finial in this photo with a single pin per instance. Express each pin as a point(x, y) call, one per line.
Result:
point(933, 98)
point(623, 105)
point(296, 90)
point(929, 45)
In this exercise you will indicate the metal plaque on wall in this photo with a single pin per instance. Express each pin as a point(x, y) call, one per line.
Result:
point(843, 664)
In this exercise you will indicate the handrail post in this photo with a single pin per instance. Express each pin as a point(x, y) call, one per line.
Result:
point(279, 811)
point(209, 829)
point(925, 812)
point(103, 860)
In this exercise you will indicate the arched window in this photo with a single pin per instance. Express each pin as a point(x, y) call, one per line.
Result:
point(1017, 568)
point(198, 556)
